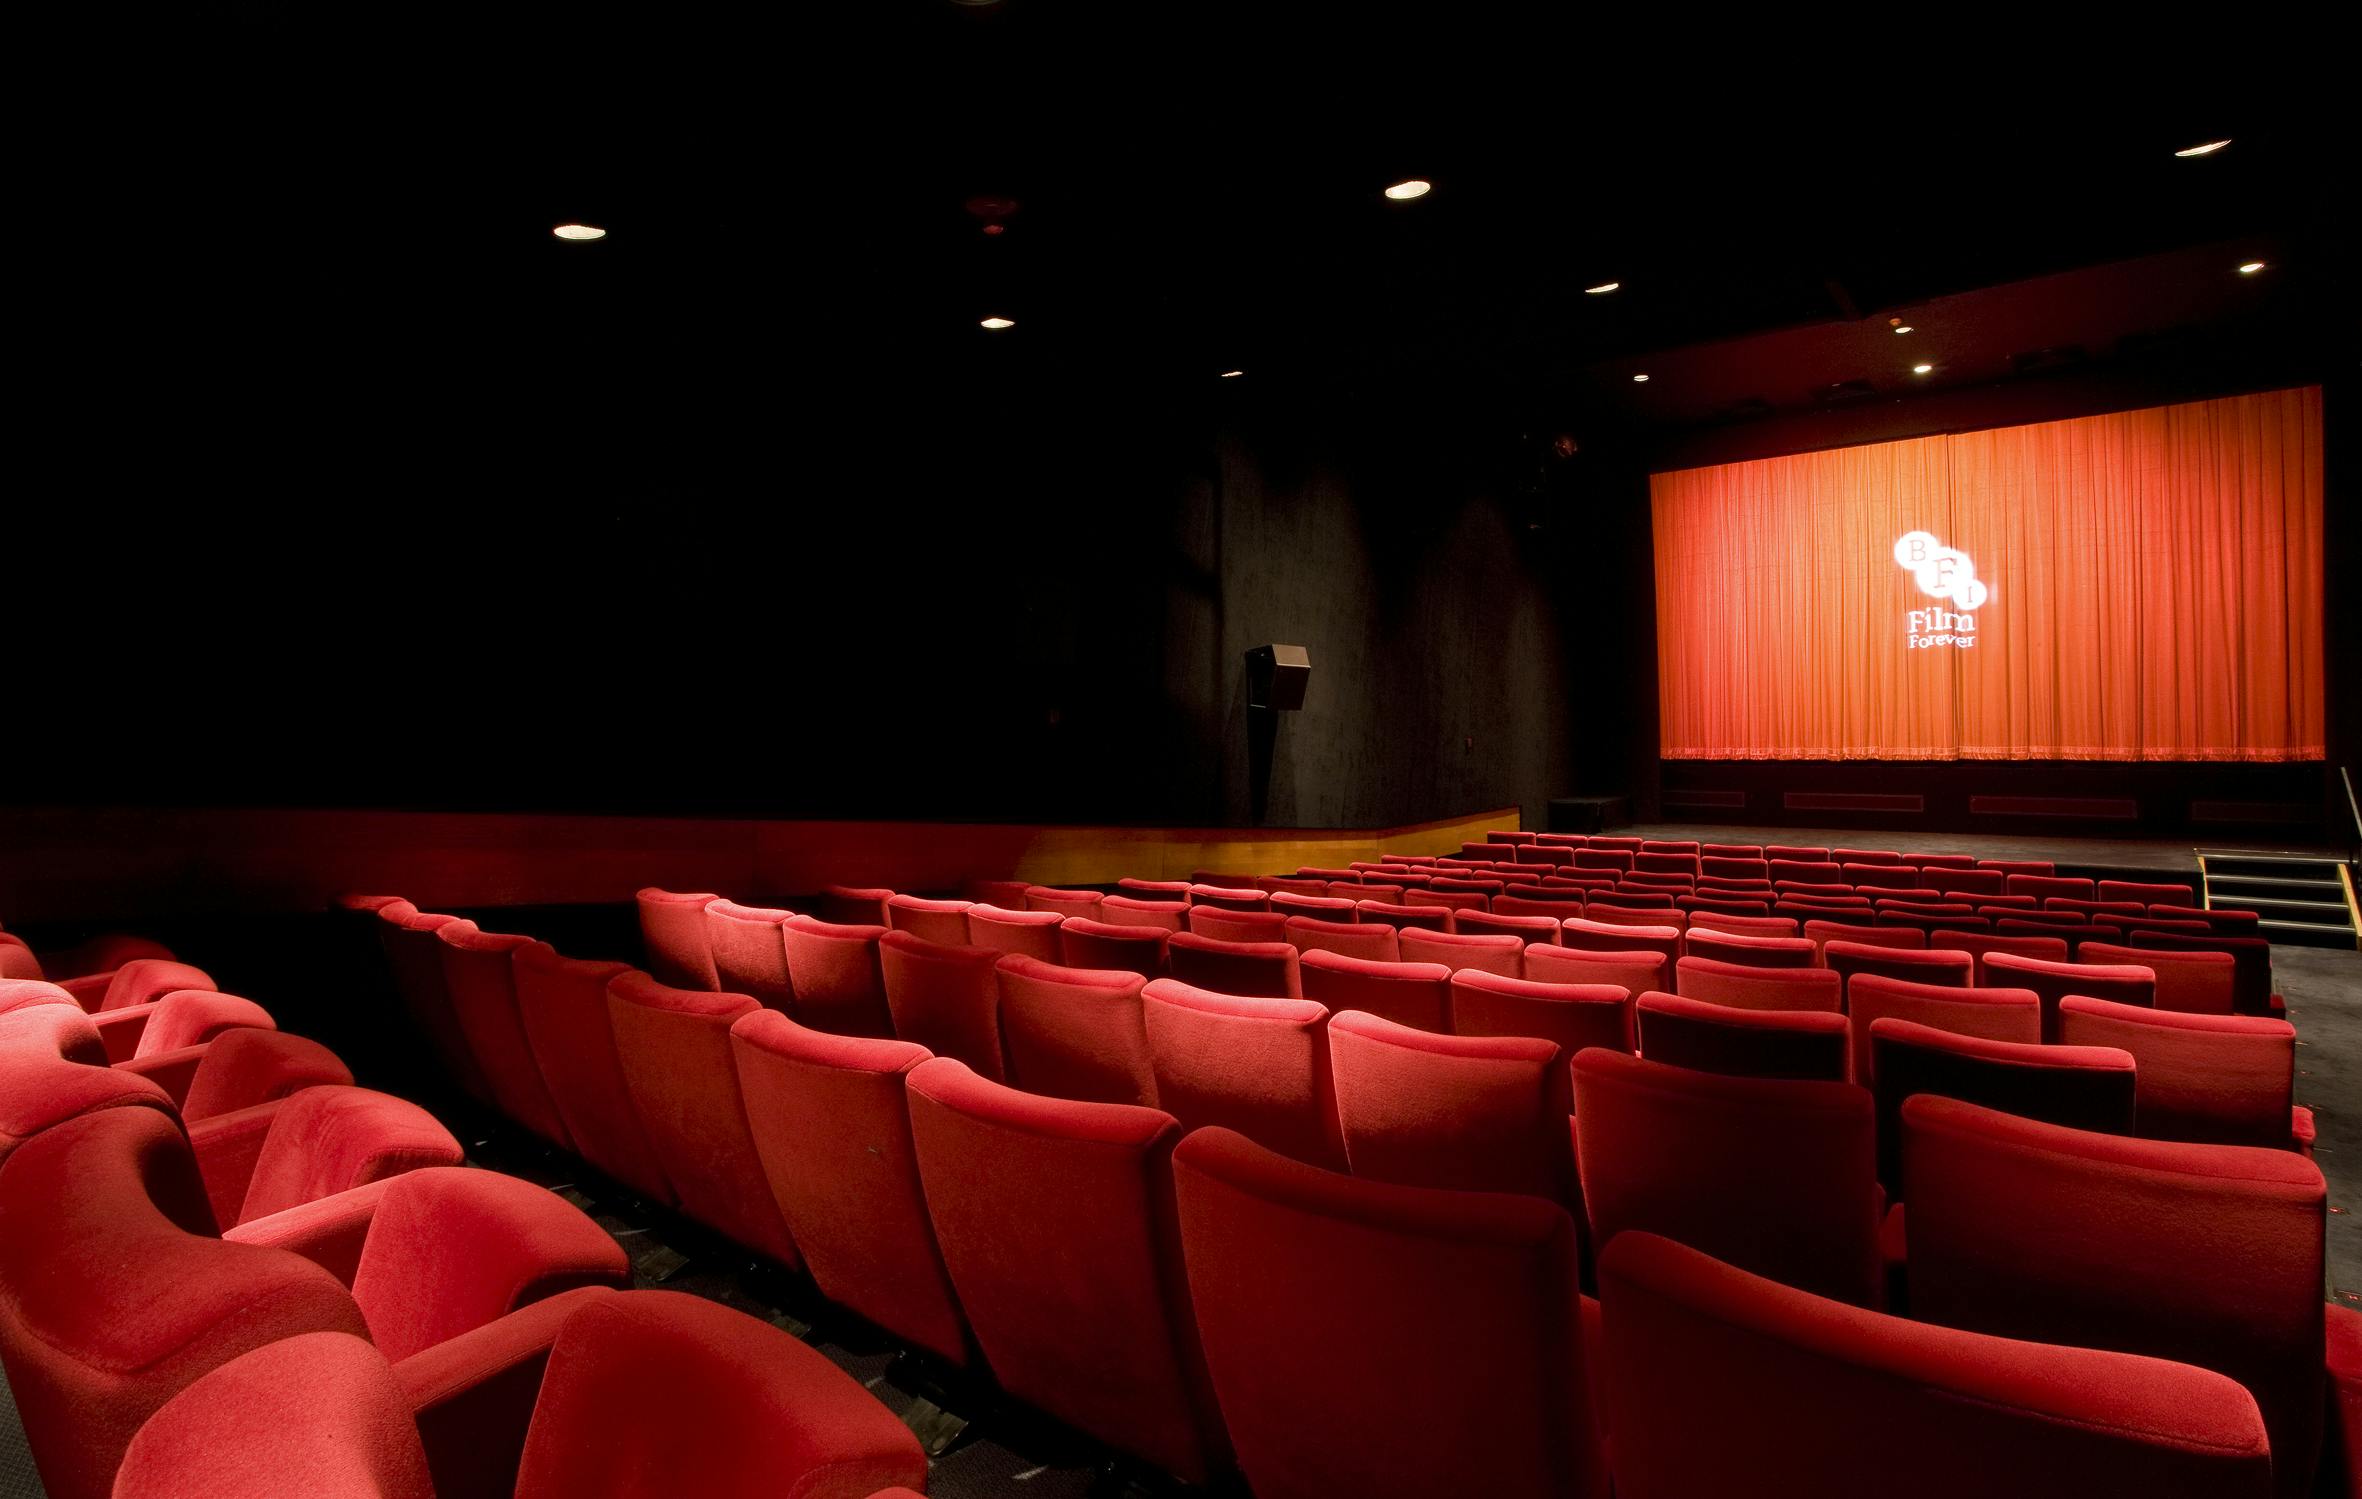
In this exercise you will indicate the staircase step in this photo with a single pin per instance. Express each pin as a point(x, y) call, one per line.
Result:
point(2261, 865)
point(2281, 908)
point(2308, 933)
point(2244, 881)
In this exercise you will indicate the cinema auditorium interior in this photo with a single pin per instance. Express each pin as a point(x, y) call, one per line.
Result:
point(942, 770)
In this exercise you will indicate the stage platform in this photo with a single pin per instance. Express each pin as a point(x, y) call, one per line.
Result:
point(2071, 855)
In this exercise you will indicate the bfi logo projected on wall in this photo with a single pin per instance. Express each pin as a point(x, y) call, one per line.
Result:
point(1945, 573)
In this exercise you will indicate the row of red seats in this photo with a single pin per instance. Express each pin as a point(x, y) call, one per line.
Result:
point(211, 1250)
point(1009, 1162)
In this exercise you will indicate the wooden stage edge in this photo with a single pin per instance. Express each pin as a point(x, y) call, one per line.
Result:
point(97, 864)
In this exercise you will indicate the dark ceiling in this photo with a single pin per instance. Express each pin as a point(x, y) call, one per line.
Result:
point(786, 214)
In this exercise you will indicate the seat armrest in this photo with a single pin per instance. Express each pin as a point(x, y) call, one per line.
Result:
point(121, 1029)
point(172, 1071)
point(2341, 1455)
point(473, 1395)
point(328, 1231)
point(2300, 1129)
point(226, 1147)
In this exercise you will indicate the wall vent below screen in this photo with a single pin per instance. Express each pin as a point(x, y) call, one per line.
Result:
point(2083, 808)
point(1720, 799)
point(1850, 801)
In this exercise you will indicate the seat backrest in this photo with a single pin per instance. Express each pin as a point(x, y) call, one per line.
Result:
point(1238, 926)
point(1708, 1037)
point(1259, 1066)
point(1064, 902)
point(1057, 1224)
point(1324, 907)
point(1608, 936)
point(115, 1294)
point(1963, 881)
point(144, 980)
point(1165, 915)
point(1009, 895)
point(251, 1065)
point(1950, 966)
point(482, 981)
point(1033, 933)
point(1808, 1396)
point(53, 1067)
point(20, 993)
point(1747, 950)
point(946, 999)
point(839, 983)
point(2251, 958)
point(1411, 994)
point(328, 1140)
point(564, 1005)
point(1084, 943)
point(2124, 984)
point(2208, 1254)
point(719, 1403)
point(1572, 1016)
point(1746, 986)
point(672, 934)
point(1491, 952)
point(1995, 1014)
point(17, 962)
point(2043, 886)
point(1979, 945)
point(2084, 1087)
point(1483, 1392)
point(831, 1122)
point(943, 922)
point(1473, 1113)
point(1822, 933)
point(1638, 970)
point(318, 1414)
point(748, 955)
point(2193, 983)
point(192, 1017)
point(415, 957)
point(674, 1045)
point(1261, 968)
point(860, 905)
point(2214, 1079)
point(1421, 916)
point(1529, 929)
point(451, 1250)
point(1074, 1032)
point(1231, 898)
point(1353, 939)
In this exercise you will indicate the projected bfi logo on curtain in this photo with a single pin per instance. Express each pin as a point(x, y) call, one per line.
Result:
point(1941, 572)
point(2139, 585)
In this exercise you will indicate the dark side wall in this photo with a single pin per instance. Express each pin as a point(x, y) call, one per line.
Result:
point(983, 591)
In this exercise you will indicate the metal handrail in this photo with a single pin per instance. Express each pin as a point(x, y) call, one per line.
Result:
point(2352, 810)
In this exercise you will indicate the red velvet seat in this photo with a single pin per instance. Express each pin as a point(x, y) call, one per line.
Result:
point(653, 1382)
point(857, 905)
point(1166, 890)
point(1456, 901)
point(53, 1068)
point(1473, 1113)
point(1075, 1032)
point(2251, 960)
point(1996, 1014)
point(1554, 904)
point(1747, 986)
point(1319, 907)
point(1849, 960)
point(942, 922)
point(1259, 1066)
point(1941, 861)
point(1268, 969)
point(415, 956)
point(2123, 984)
point(1033, 933)
point(138, 982)
point(1746, 950)
point(483, 989)
point(672, 934)
point(1571, 1015)
point(2084, 1087)
point(563, 1003)
point(1750, 926)
point(1777, 1176)
point(1494, 952)
point(1980, 945)
point(1964, 881)
point(1164, 915)
point(1056, 1221)
point(946, 999)
point(167, 1036)
point(749, 955)
point(1638, 969)
point(1721, 1382)
point(18, 994)
point(839, 982)
point(315, 1143)
point(1227, 899)
point(1423, 916)
point(2211, 1079)
point(1084, 943)
point(248, 1065)
point(1707, 1037)
point(1009, 895)
point(1623, 910)
point(1064, 902)
point(674, 1045)
point(2211, 1255)
point(1875, 877)
point(1410, 994)
point(831, 1123)
point(1609, 936)
point(2043, 886)
point(1238, 926)
point(1353, 939)
point(2193, 983)
point(1821, 933)
point(1325, 1393)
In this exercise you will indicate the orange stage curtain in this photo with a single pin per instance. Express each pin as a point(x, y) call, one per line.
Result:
point(2151, 591)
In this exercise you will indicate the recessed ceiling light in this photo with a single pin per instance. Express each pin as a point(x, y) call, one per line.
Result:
point(1902, 327)
point(996, 324)
point(1640, 379)
point(2208, 149)
point(1921, 369)
point(1403, 192)
point(1232, 374)
point(2251, 268)
point(579, 231)
point(1604, 286)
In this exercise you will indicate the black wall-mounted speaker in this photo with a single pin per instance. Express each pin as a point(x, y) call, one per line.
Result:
point(1276, 676)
